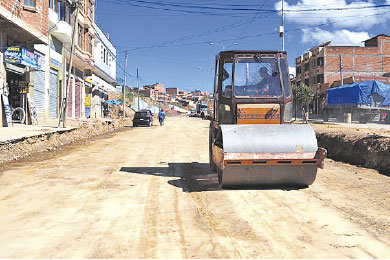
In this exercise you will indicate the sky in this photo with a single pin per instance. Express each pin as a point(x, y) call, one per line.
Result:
point(174, 42)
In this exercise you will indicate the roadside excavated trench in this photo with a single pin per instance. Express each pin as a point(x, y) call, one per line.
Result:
point(370, 150)
point(23, 147)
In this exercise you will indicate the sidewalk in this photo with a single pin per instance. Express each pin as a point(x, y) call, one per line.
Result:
point(21, 131)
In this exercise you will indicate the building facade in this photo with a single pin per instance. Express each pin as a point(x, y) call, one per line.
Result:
point(103, 77)
point(172, 92)
point(83, 62)
point(327, 66)
point(22, 25)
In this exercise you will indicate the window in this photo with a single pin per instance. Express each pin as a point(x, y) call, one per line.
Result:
point(227, 80)
point(53, 5)
point(307, 82)
point(306, 66)
point(90, 9)
point(104, 57)
point(257, 78)
point(29, 3)
point(299, 70)
point(80, 37)
point(90, 43)
point(320, 78)
point(320, 61)
point(56, 45)
point(101, 53)
point(63, 12)
point(285, 77)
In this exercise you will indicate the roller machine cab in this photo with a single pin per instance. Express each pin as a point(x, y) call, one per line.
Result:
point(251, 139)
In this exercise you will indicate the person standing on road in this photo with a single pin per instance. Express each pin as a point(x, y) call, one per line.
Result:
point(161, 117)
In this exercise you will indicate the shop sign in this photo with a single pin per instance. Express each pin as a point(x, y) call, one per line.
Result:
point(22, 56)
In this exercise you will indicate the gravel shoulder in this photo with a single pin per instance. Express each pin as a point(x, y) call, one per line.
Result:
point(149, 193)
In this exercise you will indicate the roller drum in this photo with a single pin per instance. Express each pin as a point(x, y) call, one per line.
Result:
point(268, 142)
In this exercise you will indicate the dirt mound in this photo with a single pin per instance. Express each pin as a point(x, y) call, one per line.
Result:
point(350, 146)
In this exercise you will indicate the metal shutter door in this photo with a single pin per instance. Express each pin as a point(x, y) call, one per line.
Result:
point(78, 98)
point(39, 90)
point(70, 99)
point(53, 94)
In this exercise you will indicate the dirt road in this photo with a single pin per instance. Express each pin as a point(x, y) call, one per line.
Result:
point(148, 193)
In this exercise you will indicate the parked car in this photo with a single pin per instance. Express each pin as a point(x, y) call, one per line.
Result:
point(150, 111)
point(143, 117)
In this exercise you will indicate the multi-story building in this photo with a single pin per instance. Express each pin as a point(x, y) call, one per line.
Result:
point(155, 92)
point(103, 76)
point(83, 63)
point(49, 80)
point(172, 92)
point(22, 25)
point(326, 66)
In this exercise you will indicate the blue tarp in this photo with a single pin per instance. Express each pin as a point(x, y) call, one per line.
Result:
point(386, 102)
point(113, 102)
point(357, 93)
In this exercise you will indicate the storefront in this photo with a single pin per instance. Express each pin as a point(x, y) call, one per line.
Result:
point(19, 65)
point(88, 96)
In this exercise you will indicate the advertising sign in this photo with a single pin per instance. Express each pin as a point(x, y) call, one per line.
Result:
point(22, 56)
point(7, 110)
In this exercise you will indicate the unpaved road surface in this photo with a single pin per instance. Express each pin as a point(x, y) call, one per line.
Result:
point(148, 193)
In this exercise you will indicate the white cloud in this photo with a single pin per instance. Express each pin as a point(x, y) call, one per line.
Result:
point(292, 70)
point(340, 37)
point(350, 18)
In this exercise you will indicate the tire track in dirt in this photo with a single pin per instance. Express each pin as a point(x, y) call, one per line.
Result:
point(231, 251)
point(148, 238)
point(278, 242)
point(179, 223)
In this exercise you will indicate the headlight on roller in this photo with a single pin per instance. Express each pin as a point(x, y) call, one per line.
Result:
point(288, 112)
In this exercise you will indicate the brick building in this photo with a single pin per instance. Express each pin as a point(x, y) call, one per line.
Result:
point(23, 24)
point(326, 66)
point(172, 92)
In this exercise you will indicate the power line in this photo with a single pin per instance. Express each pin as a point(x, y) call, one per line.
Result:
point(169, 6)
point(251, 21)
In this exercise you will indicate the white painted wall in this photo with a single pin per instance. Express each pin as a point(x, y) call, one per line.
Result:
point(104, 53)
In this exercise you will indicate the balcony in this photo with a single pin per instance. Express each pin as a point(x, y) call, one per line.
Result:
point(63, 31)
point(53, 17)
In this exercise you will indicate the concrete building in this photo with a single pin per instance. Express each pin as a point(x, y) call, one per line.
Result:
point(22, 25)
point(327, 66)
point(83, 63)
point(103, 77)
point(49, 81)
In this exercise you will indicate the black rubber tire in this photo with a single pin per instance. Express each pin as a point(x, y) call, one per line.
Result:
point(220, 176)
point(22, 114)
point(134, 125)
point(213, 167)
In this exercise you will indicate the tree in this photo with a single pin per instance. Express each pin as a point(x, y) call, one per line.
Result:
point(303, 95)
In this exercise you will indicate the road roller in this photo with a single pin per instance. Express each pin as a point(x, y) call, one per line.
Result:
point(252, 141)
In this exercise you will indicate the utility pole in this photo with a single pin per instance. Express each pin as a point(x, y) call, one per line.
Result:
point(64, 104)
point(124, 89)
point(281, 28)
point(341, 70)
point(138, 88)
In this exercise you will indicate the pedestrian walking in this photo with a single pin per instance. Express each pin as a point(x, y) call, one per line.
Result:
point(161, 117)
